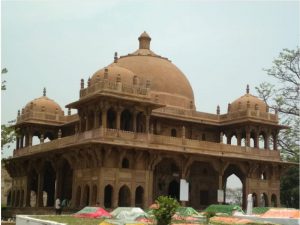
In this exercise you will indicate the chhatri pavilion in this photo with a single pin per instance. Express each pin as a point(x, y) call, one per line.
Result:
point(136, 133)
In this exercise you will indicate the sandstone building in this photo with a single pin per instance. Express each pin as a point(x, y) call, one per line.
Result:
point(136, 134)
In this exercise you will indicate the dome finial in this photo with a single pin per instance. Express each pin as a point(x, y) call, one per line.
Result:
point(116, 57)
point(144, 40)
point(44, 91)
point(247, 89)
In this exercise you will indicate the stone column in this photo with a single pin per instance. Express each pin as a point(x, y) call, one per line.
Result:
point(267, 139)
point(86, 122)
point(239, 139)
point(96, 119)
point(58, 184)
point(248, 138)
point(134, 115)
point(17, 142)
point(147, 123)
point(26, 140)
point(104, 117)
point(30, 139)
point(22, 141)
point(229, 140)
point(115, 198)
point(27, 192)
point(256, 141)
point(40, 189)
point(275, 140)
point(118, 122)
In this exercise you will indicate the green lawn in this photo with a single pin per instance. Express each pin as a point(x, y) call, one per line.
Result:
point(70, 220)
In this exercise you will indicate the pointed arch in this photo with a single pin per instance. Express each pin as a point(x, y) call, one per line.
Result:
point(108, 194)
point(139, 197)
point(124, 196)
point(86, 195)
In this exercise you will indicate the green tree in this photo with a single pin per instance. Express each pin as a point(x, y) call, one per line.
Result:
point(3, 86)
point(167, 207)
point(8, 134)
point(283, 97)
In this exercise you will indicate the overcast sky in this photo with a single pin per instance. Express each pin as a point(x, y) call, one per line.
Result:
point(220, 46)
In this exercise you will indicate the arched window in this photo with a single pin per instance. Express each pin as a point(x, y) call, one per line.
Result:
point(111, 118)
point(126, 120)
point(263, 176)
point(173, 132)
point(125, 163)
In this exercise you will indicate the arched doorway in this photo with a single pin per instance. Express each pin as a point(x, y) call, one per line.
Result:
point(86, 195)
point(124, 196)
point(173, 190)
point(254, 197)
point(139, 197)
point(165, 172)
point(264, 200)
point(234, 190)
point(49, 183)
point(240, 177)
point(273, 200)
point(33, 184)
point(66, 180)
point(108, 191)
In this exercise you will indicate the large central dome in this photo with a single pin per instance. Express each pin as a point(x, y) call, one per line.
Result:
point(167, 81)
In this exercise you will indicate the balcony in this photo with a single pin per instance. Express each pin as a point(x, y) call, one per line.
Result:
point(153, 142)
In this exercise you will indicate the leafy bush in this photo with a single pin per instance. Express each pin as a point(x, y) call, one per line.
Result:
point(228, 209)
point(166, 209)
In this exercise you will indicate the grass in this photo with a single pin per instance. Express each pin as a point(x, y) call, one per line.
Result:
point(260, 210)
point(70, 220)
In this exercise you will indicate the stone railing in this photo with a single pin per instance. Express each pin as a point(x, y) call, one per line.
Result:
point(41, 116)
point(151, 141)
point(218, 118)
point(107, 85)
point(47, 117)
point(248, 114)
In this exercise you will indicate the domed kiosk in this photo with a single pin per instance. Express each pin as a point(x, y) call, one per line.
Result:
point(41, 109)
point(248, 101)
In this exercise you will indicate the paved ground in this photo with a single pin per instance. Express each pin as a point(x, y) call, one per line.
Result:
point(283, 221)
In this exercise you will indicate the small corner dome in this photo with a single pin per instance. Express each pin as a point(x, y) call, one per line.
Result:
point(248, 101)
point(44, 105)
point(113, 71)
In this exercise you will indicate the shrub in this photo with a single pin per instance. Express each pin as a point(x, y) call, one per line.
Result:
point(166, 209)
point(228, 209)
